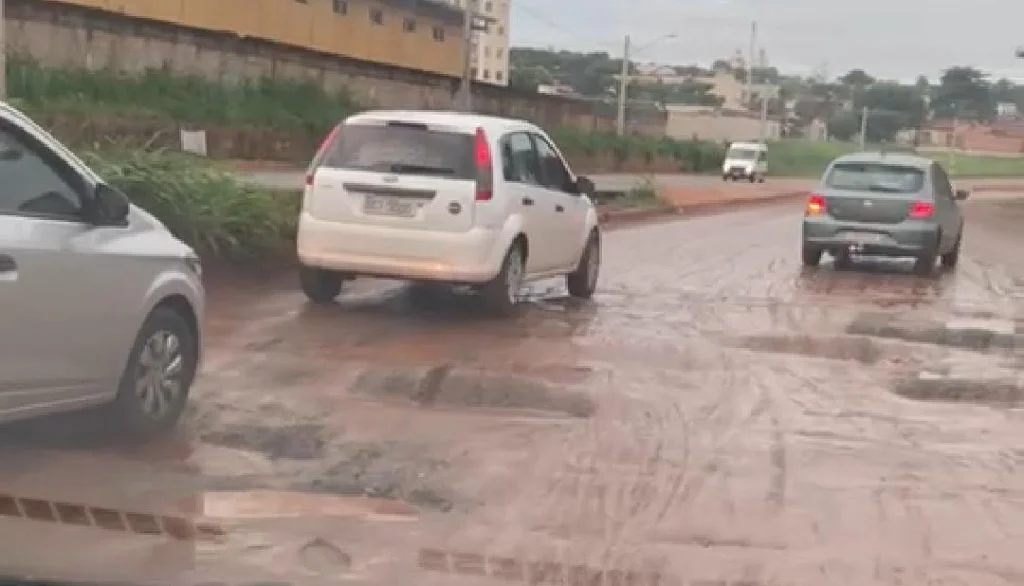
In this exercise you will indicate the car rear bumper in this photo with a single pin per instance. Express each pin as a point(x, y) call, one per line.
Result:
point(908, 238)
point(457, 257)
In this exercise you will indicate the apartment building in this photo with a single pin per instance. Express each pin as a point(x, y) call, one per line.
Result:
point(416, 34)
point(489, 58)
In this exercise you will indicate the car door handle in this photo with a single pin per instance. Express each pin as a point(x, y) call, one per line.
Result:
point(7, 264)
point(559, 208)
point(527, 201)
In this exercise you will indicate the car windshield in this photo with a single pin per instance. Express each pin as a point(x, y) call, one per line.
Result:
point(877, 177)
point(402, 148)
point(741, 154)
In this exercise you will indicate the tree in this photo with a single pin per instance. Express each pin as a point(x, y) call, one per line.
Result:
point(893, 107)
point(857, 78)
point(590, 74)
point(964, 92)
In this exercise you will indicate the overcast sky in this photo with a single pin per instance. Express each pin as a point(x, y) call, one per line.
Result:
point(893, 39)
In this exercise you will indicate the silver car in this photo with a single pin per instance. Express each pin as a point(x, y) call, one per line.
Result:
point(884, 204)
point(100, 305)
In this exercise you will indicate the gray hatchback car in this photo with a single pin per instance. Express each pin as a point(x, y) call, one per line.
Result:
point(884, 204)
point(100, 305)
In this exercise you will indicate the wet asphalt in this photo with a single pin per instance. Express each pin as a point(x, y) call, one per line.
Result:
point(717, 415)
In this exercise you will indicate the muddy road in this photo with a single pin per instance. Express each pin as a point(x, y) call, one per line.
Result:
point(717, 416)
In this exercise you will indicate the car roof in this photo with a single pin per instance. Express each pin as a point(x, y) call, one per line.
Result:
point(881, 157)
point(463, 120)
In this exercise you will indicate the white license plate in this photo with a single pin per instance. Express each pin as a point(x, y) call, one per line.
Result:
point(377, 205)
point(864, 237)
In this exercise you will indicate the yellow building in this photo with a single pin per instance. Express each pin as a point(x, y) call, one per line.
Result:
point(416, 34)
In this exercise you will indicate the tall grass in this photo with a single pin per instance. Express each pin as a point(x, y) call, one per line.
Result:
point(159, 93)
point(211, 210)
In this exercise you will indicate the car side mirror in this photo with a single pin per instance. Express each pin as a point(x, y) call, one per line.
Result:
point(584, 186)
point(109, 206)
point(962, 194)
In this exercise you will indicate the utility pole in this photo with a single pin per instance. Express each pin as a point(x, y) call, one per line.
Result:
point(620, 119)
point(3, 52)
point(465, 98)
point(750, 61)
point(764, 117)
point(863, 127)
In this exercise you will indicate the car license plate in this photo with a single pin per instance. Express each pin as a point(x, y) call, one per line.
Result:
point(376, 205)
point(864, 237)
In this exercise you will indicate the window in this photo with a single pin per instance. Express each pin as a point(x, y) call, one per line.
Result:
point(487, 74)
point(489, 7)
point(519, 159)
point(398, 147)
point(501, 30)
point(340, 6)
point(487, 51)
point(473, 72)
point(876, 177)
point(554, 173)
point(377, 16)
point(499, 75)
point(499, 53)
point(409, 25)
point(34, 181)
point(438, 33)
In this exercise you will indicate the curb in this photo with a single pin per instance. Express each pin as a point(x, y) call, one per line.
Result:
point(613, 217)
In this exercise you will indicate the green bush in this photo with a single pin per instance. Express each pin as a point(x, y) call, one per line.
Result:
point(695, 156)
point(210, 209)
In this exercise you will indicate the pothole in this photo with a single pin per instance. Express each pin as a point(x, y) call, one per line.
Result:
point(295, 442)
point(449, 387)
point(935, 387)
point(859, 349)
point(969, 334)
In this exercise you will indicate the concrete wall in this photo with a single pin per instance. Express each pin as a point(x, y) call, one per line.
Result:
point(718, 127)
point(61, 35)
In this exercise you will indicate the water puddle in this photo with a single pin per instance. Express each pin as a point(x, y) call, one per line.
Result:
point(269, 504)
point(446, 386)
point(858, 349)
point(979, 334)
point(932, 386)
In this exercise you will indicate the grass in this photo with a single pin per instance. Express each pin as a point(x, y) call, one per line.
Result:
point(160, 94)
point(799, 158)
point(213, 211)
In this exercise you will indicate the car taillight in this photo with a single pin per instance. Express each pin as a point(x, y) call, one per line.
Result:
point(815, 205)
point(921, 209)
point(324, 144)
point(484, 167)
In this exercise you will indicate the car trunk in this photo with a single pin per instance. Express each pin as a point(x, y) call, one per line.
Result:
point(872, 208)
point(396, 174)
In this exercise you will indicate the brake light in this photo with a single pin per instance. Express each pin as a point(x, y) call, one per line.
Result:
point(815, 205)
point(484, 167)
point(324, 144)
point(921, 209)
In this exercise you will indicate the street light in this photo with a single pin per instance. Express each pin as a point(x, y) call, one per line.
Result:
point(620, 120)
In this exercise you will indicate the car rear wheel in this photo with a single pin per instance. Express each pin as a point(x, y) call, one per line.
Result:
point(501, 294)
point(951, 258)
point(155, 384)
point(320, 285)
point(583, 281)
point(811, 256)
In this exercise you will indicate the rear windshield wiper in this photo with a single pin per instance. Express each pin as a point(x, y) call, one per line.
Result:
point(407, 168)
point(885, 189)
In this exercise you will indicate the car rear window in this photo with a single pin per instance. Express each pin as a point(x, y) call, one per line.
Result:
point(878, 177)
point(402, 148)
point(741, 154)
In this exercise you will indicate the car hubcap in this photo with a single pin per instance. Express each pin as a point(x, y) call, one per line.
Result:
point(158, 376)
point(514, 276)
point(593, 264)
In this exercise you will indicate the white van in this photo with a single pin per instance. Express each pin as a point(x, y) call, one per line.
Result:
point(746, 160)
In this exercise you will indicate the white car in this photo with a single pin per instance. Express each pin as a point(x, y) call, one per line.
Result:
point(445, 197)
